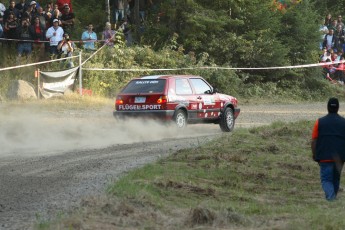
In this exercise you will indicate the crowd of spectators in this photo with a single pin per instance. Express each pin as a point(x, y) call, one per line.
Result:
point(46, 28)
point(332, 45)
point(27, 26)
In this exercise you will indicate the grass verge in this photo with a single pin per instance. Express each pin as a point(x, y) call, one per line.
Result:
point(258, 178)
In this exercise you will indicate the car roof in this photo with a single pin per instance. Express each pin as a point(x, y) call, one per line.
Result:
point(150, 77)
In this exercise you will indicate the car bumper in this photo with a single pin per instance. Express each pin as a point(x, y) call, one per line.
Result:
point(155, 114)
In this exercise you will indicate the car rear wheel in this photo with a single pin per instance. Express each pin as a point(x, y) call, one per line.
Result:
point(227, 120)
point(180, 118)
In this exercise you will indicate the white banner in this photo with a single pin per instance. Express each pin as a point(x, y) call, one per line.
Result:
point(57, 83)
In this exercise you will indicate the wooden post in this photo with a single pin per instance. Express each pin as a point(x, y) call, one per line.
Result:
point(37, 75)
point(80, 76)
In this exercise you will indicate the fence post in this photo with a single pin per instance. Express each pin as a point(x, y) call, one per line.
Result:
point(80, 76)
point(37, 74)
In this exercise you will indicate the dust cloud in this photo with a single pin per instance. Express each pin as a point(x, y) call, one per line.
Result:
point(34, 131)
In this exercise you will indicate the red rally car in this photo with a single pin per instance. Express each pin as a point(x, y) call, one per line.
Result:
point(179, 98)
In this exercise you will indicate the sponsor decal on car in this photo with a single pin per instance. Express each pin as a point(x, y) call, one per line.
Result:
point(139, 107)
point(146, 82)
point(208, 100)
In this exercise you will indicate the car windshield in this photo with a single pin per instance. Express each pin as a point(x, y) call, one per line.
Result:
point(145, 86)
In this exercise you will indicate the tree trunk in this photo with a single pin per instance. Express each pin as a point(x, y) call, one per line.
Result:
point(107, 8)
point(136, 13)
point(125, 12)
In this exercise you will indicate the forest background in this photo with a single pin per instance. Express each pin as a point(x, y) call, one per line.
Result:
point(195, 33)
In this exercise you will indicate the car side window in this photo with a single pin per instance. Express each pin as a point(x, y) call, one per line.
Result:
point(183, 86)
point(200, 86)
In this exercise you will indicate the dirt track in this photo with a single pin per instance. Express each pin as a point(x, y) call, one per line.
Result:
point(50, 161)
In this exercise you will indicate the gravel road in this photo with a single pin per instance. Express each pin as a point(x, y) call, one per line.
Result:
point(49, 161)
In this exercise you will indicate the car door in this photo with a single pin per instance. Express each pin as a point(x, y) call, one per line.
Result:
point(186, 97)
point(208, 102)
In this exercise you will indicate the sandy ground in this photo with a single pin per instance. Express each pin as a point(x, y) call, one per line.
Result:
point(49, 160)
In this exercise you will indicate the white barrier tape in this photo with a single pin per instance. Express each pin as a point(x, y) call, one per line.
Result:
point(38, 41)
point(221, 68)
point(37, 63)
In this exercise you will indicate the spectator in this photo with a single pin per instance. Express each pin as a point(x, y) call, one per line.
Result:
point(330, 41)
point(1, 31)
point(55, 35)
point(143, 6)
point(28, 13)
point(326, 55)
point(2, 10)
point(24, 32)
point(108, 35)
point(34, 10)
point(67, 19)
point(328, 148)
point(38, 34)
point(323, 30)
point(125, 28)
point(333, 25)
point(119, 8)
point(61, 4)
point(11, 25)
point(339, 73)
point(10, 9)
point(21, 6)
point(328, 20)
point(1, 22)
point(48, 16)
point(41, 15)
point(49, 8)
point(65, 49)
point(89, 37)
point(340, 21)
point(334, 57)
point(340, 35)
point(56, 15)
point(55, 7)
point(28, 2)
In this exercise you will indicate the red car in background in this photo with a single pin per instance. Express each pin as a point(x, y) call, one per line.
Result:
point(179, 98)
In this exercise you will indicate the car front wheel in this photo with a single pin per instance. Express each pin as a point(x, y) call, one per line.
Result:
point(227, 120)
point(180, 118)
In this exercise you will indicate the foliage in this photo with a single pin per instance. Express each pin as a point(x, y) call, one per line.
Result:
point(196, 33)
point(330, 6)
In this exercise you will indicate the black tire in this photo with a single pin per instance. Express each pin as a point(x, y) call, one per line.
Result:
point(180, 119)
point(227, 120)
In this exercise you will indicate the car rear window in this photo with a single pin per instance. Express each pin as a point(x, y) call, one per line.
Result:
point(145, 86)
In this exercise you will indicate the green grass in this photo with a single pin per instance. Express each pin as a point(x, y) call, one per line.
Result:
point(258, 178)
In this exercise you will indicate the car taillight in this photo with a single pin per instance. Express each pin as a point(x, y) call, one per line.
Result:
point(162, 99)
point(119, 101)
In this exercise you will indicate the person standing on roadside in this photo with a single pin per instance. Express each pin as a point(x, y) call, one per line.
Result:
point(89, 37)
point(55, 35)
point(328, 148)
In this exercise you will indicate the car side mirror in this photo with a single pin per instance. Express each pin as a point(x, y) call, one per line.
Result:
point(215, 90)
